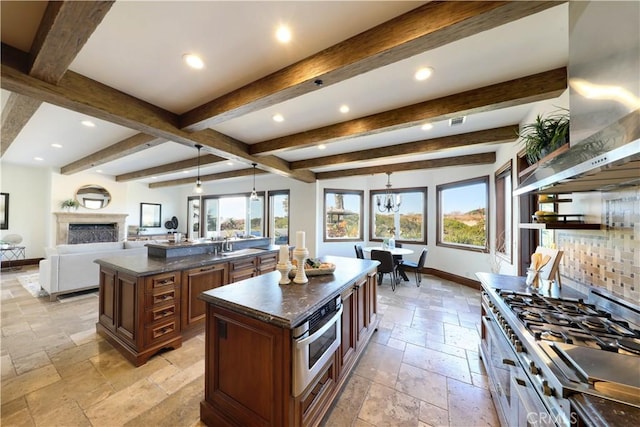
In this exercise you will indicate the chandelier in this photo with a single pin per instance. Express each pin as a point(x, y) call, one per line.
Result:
point(198, 188)
point(254, 195)
point(388, 203)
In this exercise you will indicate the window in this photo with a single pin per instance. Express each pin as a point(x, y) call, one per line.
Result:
point(343, 215)
point(504, 211)
point(232, 216)
point(279, 216)
point(462, 214)
point(408, 224)
point(193, 209)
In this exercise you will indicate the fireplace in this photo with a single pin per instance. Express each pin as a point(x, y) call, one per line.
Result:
point(74, 228)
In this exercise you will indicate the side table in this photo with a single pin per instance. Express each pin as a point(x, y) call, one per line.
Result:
point(10, 254)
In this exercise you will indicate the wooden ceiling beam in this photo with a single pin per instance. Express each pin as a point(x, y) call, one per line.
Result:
point(427, 27)
point(469, 160)
point(207, 178)
point(133, 144)
point(488, 136)
point(204, 160)
point(56, 44)
point(81, 94)
point(537, 87)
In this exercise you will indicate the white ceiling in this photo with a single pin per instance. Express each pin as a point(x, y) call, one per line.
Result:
point(138, 49)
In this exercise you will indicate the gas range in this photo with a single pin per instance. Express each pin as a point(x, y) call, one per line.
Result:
point(541, 348)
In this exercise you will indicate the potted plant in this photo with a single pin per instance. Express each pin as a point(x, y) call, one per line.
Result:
point(545, 135)
point(70, 204)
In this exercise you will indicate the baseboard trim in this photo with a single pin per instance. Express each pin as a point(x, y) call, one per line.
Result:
point(475, 284)
point(20, 262)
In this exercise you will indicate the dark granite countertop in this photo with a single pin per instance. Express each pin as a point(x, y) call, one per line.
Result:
point(596, 411)
point(143, 265)
point(288, 305)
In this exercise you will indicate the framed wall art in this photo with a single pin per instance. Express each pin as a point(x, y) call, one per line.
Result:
point(150, 214)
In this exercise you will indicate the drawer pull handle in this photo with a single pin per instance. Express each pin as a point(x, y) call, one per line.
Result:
point(508, 362)
point(165, 282)
point(208, 268)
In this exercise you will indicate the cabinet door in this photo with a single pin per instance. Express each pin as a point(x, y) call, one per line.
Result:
point(194, 282)
point(107, 308)
point(267, 263)
point(362, 317)
point(347, 351)
point(129, 308)
point(372, 293)
point(242, 269)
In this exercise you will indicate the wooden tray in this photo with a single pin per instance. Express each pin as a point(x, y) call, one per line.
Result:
point(314, 271)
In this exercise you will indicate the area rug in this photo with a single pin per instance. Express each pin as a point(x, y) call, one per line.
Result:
point(32, 285)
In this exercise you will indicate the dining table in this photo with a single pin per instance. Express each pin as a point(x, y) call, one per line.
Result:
point(396, 252)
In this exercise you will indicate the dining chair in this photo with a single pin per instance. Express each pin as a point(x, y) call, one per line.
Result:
point(359, 252)
point(416, 267)
point(387, 265)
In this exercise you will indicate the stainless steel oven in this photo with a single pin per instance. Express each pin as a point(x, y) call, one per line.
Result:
point(314, 343)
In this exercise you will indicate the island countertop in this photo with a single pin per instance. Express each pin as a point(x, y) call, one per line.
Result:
point(286, 306)
point(144, 265)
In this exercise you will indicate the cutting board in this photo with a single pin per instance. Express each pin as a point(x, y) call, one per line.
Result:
point(549, 271)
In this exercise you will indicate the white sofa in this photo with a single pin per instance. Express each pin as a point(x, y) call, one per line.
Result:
point(70, 268)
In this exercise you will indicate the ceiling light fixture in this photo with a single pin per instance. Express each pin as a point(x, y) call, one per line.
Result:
point(38, 159)
point(344, 109)
point(278, 118)
point(321, 147)
point(427, 126)
point(88, 123)
point(283, 34)
point(198, 188)
point(423, 73)
point(56, 145)
point(254, 195)
point(193, 61)
point(391, 203)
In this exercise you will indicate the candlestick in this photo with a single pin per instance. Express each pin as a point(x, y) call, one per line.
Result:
point(284, 254)
point(300, 240)
point(284, 268)
point(300, 255)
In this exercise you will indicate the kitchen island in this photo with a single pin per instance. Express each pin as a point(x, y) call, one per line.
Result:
point(149, 303)
point(252, 352)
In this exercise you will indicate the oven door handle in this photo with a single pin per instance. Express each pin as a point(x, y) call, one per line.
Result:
point(304, 341)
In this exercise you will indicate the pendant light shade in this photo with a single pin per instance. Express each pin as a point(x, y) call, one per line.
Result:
point(254, 195)
point(198, 188)
point(388, 203)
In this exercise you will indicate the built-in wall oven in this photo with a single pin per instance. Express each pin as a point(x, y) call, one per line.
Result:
point(314, 343)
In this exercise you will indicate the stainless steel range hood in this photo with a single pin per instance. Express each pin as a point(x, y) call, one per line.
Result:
point(604, 99)
point(607, 160)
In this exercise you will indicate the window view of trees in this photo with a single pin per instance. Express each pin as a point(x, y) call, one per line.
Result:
point(406, 225)
point(462, 214)
point(233, 216)
point(343, 214)
point(279, 216)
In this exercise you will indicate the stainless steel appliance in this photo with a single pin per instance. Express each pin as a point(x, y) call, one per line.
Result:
point(539, 351)
point(314, 343)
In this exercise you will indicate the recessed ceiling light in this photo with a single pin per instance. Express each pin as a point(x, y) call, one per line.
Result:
point(185, 171)
point(229, 163)
point(99, 170)
point(278, 118)
point(38, 159)
point(427, 126)
point(283, 34)
point(423, 73)
point(344, 109)
point(88, 123)
point(193, 61)
point(154, 177)
point(56, 145)
point(321, 147)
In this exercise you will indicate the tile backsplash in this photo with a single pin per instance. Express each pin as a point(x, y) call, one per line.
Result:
point(608, 258)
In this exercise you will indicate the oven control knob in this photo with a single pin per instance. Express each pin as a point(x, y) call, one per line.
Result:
point(533, 368)
point(548, 391)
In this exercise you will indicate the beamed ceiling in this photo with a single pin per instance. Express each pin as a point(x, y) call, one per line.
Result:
point(120, 65)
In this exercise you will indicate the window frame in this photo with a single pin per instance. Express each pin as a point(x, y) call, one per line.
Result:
point(247, 219)
point(359, 193)
point(504, 203)
point(271, 219)
point(439, 226)
point(373, 209)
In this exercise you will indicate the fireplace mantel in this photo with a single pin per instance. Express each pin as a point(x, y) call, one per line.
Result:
point(63, 220)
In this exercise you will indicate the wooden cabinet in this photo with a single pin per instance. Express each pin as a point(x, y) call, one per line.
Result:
point(267, 263)
point(194, 282)
point(242, 269)
point(347, 352)
point(139, 315)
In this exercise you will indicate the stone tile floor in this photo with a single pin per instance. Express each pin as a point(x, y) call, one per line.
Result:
point(420, 369)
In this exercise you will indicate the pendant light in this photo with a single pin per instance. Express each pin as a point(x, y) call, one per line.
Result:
point(198, 188)
point(254, 195)
point(391, 204)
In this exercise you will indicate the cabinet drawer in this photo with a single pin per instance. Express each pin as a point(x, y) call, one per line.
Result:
point(161, 281)
point(155, 314)
point(161, 296)
point(160, 331)
point(242, 264)
point(267, 263)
